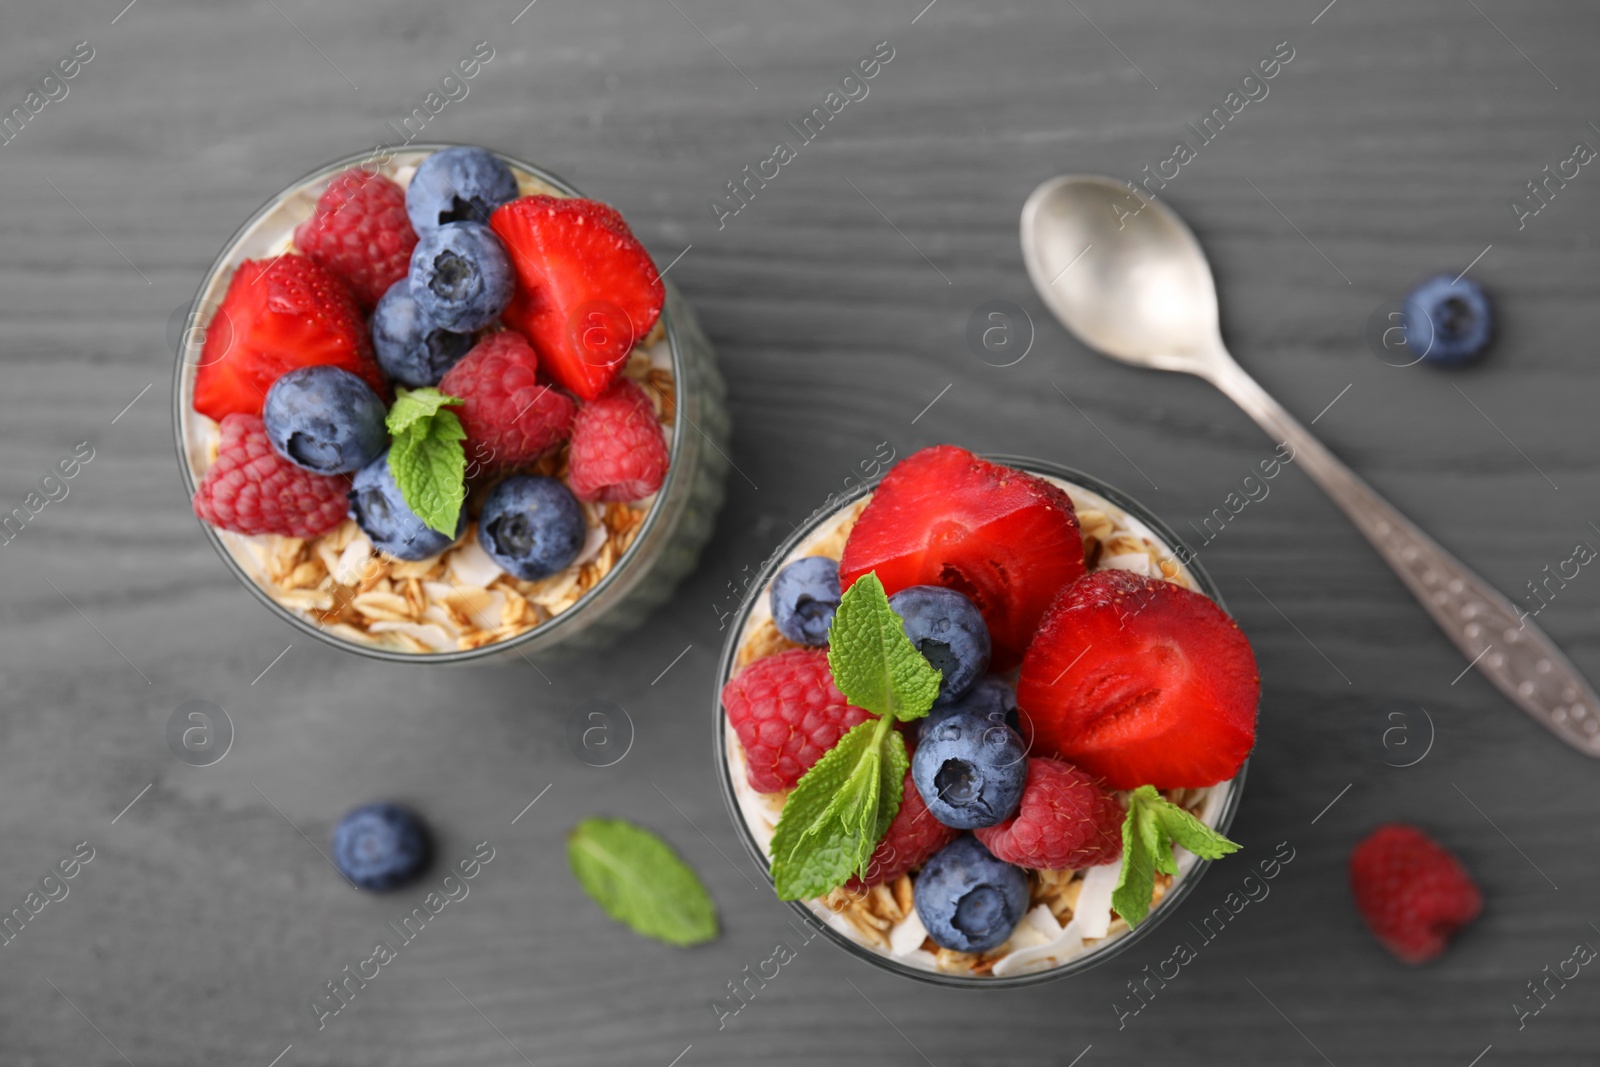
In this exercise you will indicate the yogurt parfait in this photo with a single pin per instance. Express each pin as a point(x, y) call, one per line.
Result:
point(985, 722)
point(435, 405)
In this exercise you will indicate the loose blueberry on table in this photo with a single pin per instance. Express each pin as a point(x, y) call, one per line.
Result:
point(381, 846)
point(466, 397)
point(1057, 712)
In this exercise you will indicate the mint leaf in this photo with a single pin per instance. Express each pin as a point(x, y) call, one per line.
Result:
point(838, 811)
point(874, 663)
point(1152, 826)
point(426, 458)
point(639, 880)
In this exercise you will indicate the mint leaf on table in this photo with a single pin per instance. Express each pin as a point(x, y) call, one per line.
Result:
point(639, 881)
point(1152, 826)
point(426, 457)
point(874, 663)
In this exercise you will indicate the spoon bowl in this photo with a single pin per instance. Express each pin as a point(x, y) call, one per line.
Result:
point(1123, 273)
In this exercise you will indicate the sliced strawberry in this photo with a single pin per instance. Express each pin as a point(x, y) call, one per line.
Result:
point(1140, 682)
point(277, 315)
point(1007, 540)
point(587, 291)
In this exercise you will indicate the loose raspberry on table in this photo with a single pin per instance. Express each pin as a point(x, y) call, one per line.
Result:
point(1412, 892)
point(914, 835)
point(618, 449)
point(787, 712)
point(1066, 821)
point(505, 408)
point(361, 233)
point(250, 489)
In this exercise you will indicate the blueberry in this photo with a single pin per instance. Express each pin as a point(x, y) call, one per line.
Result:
point(381, 846)
point(991, 698)
point(1448, 321)
point(970, 770)
point(411, 350)
point(968, 900)
point(532, 526)
point(460, 276)
point(325, 419)
point(949, 632)
point(383, 515)
point(456, 184)
point(804, 596)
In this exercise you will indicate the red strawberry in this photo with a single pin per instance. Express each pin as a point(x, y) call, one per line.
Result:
point(1066, 822)
point(618, 450)
point(1006, 539)
point(914, 835)
point(505, 409)
point(361, 233)
point(277, 315)
point(586, 292)
point(787, 712)
point(251, 489)
point(1139, 681)
point(1412, 892)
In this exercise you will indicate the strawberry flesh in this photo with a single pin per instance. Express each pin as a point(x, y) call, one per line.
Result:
point(1007, 540)
point(278, 315)
point(1140, 682)
point(586, 292)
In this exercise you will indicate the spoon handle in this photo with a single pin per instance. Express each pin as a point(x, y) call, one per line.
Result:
point(1501, 641)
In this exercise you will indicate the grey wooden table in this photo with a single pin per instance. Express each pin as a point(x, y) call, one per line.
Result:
point(1389, 147)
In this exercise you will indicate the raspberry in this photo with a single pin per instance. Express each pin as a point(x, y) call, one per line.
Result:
point(787, 713)
point(914, 835)
point(510, 418)
point(618, 450)
point(251, 489)
point(361, 233)
point(1412, 892)
point(1066, 821)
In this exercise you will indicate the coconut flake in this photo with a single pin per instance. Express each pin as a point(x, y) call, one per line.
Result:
point(472, 566)
point(1138, 563)
point(593, 542)
point(352, 564)
point(907, 935)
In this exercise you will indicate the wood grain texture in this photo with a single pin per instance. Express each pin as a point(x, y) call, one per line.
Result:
point(1391, 145)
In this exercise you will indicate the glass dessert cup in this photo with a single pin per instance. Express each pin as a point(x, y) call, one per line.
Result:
point(750, 636)
point(664, 544)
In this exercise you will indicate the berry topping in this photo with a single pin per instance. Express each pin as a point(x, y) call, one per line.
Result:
point(913, 836)
point(325, 419)
point(278, 314)
point(787, 712)
point(1139, 681)
point(1448, 321)
point(968, 900)
point(460, 276)
point(991, 698)
point(250, 489)
point(949, 632)
point(381, 846)
point(510, 417)
point(1006, 540)
point(805, 595)
point(383, 515)
point(618, 450)
point(1413, 893)
point(587, 290)
point(411, 350)
point(970, 771)
point(1066, 822)
point(458, 184)
point(532, 526)
point(360, 232)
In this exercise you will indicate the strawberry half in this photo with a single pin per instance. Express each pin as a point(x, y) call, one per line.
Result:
point(587, 291)
point(1005, 539)
point(1140, 682)
point(277, 315)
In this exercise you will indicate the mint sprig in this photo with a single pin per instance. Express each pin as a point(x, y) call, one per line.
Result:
point(639, 881)
point(426, 457)
point(841, 808)
point(1153, 825)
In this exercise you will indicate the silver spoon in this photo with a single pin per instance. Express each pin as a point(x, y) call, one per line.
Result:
point(1129, 279)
